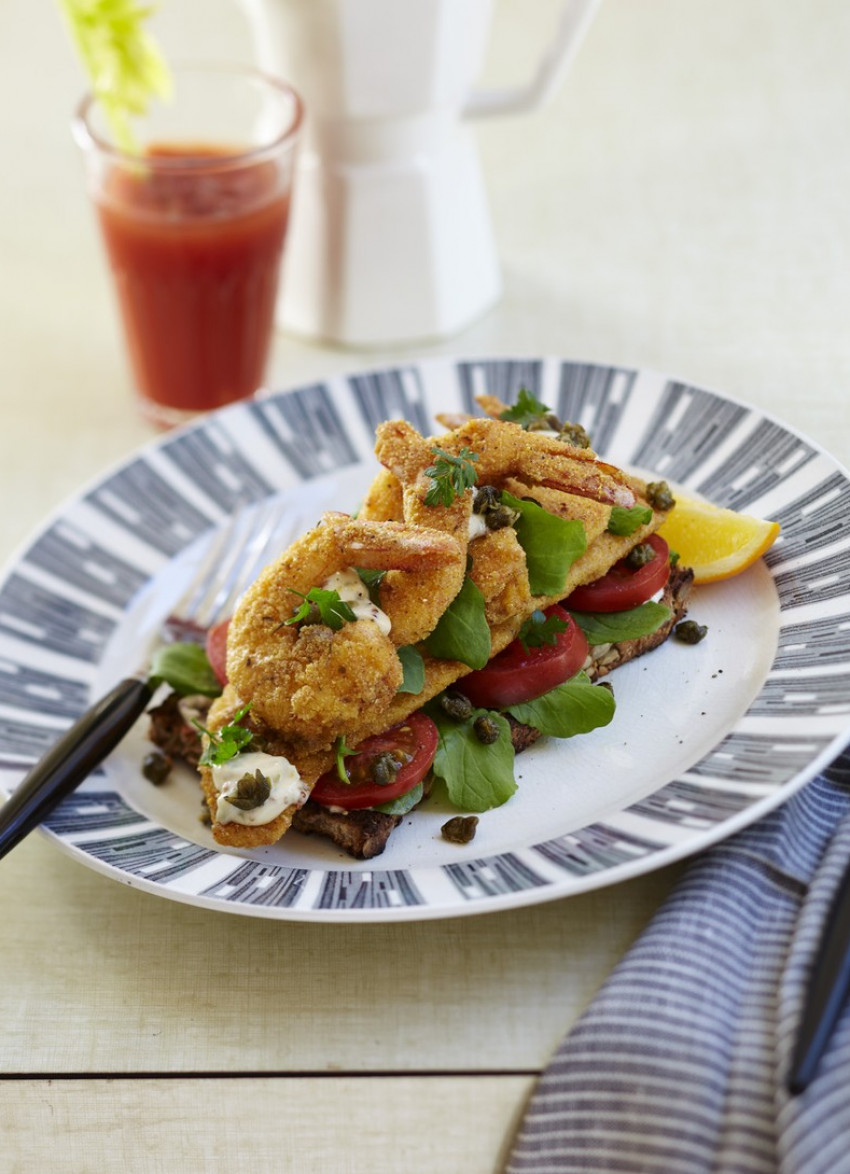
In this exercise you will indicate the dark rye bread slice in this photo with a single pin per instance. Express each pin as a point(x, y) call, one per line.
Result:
point(364, 834)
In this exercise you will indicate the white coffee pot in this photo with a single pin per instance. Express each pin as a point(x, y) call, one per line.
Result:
point(390, 238)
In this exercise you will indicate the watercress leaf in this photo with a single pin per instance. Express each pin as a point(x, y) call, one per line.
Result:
point(616, 626)
point(527, 410)
point(625, 521)
point(462, 632)
point(477, 776)
point(404, 803)
point(575, 707)
point(413, 668)
point(185, 668)
point(551, 544)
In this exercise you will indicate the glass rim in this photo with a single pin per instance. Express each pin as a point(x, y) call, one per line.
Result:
point(87, 137)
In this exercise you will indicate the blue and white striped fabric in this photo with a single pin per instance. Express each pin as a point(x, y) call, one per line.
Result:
point(680, 1064)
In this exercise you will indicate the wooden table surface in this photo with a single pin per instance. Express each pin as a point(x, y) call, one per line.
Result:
point(682, 205)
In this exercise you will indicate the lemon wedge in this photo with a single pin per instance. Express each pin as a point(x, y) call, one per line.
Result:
point(715, 542)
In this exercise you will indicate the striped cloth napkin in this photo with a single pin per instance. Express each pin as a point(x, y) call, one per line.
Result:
point(680, 1064)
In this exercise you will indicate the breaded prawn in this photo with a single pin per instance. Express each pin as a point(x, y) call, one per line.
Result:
point(314, 684)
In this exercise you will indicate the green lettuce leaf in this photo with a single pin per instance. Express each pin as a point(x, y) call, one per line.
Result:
point(404, 803)
point(624, 522)
point(413, 667)
point(185, 668)
point(616, 626)
point(551, 544)
point(576, 707)
point(462, 632)
point(477, 776)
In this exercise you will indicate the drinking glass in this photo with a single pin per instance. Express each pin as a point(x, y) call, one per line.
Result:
point(194, 220)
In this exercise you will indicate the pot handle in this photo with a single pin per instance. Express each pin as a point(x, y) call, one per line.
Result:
point(574, 23)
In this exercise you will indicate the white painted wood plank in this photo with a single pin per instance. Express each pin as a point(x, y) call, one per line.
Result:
point(293, 1126)
point(98, 977)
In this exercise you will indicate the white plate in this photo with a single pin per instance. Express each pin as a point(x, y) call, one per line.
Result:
point(705, 740)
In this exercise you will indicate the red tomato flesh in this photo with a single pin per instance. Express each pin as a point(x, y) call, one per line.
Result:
point(216, 649)
point(517, 674)
point(624, 587)
point(413, 741)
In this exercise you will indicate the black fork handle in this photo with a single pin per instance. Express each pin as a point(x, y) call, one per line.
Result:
point(72, 759)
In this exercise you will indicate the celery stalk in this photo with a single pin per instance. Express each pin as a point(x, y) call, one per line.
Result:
point(121, 60)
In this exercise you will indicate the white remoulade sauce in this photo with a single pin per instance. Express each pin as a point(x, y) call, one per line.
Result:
point(353, 591)
point(287, 787)
point(477, 526)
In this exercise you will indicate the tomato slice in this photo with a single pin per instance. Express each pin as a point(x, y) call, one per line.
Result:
point(413, 741)
point(517, 674)
point(216, 649)
point(624, 587)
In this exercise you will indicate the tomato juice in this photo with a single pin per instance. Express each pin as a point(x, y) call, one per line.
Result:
point(194, 236)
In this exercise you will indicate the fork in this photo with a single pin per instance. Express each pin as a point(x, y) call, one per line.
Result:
point(230, 564)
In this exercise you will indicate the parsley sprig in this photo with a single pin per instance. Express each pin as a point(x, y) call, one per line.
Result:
point(322, 606)
point(227, 742)
point(341, 752)
point(540, 629)
point(527, 410)
point(450, 476)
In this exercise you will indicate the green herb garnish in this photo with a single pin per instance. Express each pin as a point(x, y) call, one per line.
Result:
point(372, 580)
point(404, 803)
point(462, 632)
point(185, 667)
point(551, 545)
point(322, 606)
point(528, 412)
point(341, 752)
point(540, 629)
point(624, 522)
point(477, 776)
point(616, 626)
point(121, 60)
point(413, 668)
point(575, 707)
point(227, 742)
point(450, 476)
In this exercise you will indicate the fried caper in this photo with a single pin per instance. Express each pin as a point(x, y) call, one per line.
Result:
point(385, 768)
point(640, 555)
point(456, 705)
point(660, 496)
point(486, 729)
point(460, 829)
point(251, 791)
point(574, 434)
point(690, 632)
point(156, 767)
